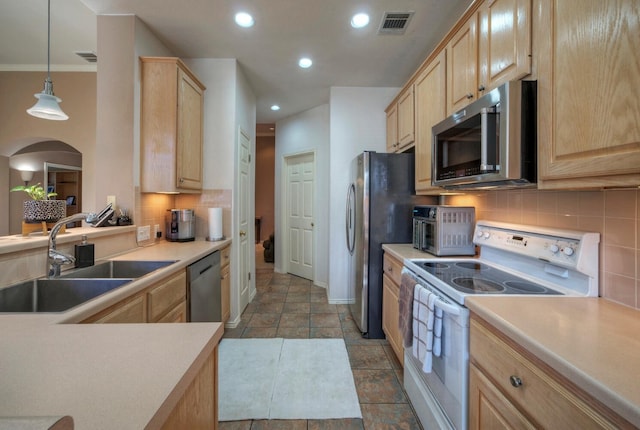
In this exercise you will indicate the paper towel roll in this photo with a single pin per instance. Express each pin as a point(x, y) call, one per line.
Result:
point(215, 224)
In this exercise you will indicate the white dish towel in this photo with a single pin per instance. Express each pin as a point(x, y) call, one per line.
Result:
point(427, 327)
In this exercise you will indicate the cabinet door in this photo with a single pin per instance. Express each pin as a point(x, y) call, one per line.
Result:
point(431, 106)
point(390, 316)
point(189, 145)
point(175, 315)
point(130, 311)
point(462, 65)
point(406, 119)
point(166, 295)
point(392, 128)
point(504, 42)
point(588, 93)
point(225, 293)
point(489, 409)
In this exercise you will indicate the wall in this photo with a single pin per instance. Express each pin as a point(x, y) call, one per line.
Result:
point(305, 132)
point(265, 184)
point(18, 129)
point(358, 123)
point(615, 214)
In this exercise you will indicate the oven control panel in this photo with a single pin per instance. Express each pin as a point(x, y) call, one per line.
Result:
point(566, 248)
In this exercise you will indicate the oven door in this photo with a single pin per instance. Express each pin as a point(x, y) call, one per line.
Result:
point(440, 398)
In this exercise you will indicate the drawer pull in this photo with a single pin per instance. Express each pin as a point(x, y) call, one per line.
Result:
point(515, 381)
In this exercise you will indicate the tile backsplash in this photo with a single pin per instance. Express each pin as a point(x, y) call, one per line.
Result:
point(151, 208)
point(615, 214)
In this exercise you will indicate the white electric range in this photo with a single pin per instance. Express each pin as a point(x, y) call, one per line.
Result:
point(514, 260)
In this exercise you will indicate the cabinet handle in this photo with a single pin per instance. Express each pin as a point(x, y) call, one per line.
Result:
point(181, 180)
point(469, 96)
point(515, 381)
point(481, 88)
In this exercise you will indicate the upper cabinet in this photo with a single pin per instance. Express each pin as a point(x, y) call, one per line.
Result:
point(401, 122)
point(504, 42)
point(462, 66)
point(429, 90)
point(588, 93)
point(171, 126)
point(492, 47)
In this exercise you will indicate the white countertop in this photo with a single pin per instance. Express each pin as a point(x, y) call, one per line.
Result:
point(111, 376)
point(405, 250)
point(593, 342)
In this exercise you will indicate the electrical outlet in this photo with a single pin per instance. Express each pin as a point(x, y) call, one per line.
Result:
point(112, 200)
point(156, 230)
point(144, 233)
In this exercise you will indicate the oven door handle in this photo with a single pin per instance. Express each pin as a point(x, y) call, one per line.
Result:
point(447, 308)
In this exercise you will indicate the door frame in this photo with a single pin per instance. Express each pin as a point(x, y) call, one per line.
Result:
point(284, 180)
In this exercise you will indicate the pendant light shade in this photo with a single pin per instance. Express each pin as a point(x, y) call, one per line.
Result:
point(47, 105)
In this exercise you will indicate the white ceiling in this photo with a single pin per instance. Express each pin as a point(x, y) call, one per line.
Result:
point(268, 53)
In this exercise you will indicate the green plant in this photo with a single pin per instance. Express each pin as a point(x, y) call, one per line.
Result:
point(36, 192)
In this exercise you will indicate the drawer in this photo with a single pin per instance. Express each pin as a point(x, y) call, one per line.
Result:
point(392, 268)
point(167, 295)
point(225, 256)
point(540, 394)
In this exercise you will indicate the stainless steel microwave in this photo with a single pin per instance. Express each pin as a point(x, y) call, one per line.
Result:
point(490, 143)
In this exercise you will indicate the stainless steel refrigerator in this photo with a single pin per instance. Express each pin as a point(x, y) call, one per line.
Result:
point(380, 200)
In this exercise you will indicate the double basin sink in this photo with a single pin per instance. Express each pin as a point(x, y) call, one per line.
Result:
point(74, 287)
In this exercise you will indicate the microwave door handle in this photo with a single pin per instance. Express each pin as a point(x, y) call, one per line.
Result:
point(484, 138)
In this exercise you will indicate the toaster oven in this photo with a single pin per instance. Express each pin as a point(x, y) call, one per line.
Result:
point(444, 230)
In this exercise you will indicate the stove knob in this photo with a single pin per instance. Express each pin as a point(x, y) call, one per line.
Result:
point(554, 248)
point(479, 233)
point(567, 251)
point(486, 235)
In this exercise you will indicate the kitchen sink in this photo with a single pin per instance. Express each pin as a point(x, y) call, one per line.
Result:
point(117, 269)
point(54, 295)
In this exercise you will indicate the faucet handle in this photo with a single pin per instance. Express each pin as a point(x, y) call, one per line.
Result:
point(60, 258)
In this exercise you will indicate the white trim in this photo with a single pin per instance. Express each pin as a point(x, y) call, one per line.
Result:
point(43, 68)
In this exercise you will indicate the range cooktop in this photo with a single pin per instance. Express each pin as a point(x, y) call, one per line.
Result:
point(474, 277)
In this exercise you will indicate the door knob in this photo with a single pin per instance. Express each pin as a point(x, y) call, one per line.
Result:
point(312, 224)
point(243, 233)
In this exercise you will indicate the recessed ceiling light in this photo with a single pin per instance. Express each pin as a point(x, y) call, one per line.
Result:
point(243, 19)
point(305, 62)
point(359, 20)
point(275, 107)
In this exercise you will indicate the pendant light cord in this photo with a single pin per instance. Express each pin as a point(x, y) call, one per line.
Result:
point(49, 39)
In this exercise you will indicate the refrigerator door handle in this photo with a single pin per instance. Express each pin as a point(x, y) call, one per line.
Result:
point(350, 221)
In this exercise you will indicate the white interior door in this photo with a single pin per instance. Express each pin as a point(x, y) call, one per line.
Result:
point(245, 252)
point(300, 223)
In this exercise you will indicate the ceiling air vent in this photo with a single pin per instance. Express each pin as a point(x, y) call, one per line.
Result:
point(395, 22)
point(91, 57)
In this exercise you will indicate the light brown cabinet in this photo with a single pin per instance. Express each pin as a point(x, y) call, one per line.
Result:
point(504, 42)
point(430, 91)
point(511, 388)
point(165, 301)
point(401, 122)
point(225, 283)
point(197, 409)
point(462, 66)
point(392, 273)
point(171, 126)
point(588, 93)
point(166, 296)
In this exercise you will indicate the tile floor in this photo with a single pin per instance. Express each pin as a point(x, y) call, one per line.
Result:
point(291, 307)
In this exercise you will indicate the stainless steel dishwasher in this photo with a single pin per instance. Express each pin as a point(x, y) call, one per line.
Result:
point(204, 289)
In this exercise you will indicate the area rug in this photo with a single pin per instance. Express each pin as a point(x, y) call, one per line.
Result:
point(285, 379)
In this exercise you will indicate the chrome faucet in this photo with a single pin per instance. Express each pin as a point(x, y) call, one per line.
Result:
point(55, 258)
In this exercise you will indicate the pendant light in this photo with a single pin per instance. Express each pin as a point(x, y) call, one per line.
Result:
point(47, 105)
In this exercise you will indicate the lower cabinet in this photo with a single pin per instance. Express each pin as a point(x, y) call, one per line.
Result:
point(164, 301)
point(198, 407)
point(225, 283)
point(510, 388)
point(392, 272)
